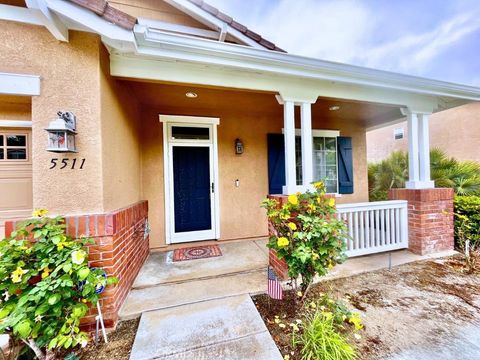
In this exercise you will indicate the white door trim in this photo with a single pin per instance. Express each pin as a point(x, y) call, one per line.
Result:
point(212, 123)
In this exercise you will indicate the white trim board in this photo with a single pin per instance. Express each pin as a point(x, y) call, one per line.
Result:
point(19, 84)
point(212, 123)
point(15, 123)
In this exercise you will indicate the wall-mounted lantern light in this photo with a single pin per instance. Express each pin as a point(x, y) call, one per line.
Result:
point(238, 147)
point(61, 133)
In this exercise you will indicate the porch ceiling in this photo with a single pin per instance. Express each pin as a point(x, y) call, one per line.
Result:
point(172, 97)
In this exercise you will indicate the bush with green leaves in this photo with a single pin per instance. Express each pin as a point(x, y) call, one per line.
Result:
point(47, 285)
point(392, 172)
point(307, 233)
point(467, 229)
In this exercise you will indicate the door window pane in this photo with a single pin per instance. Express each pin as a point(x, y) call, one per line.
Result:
point(16, 154)
point(16, 140)
point(1, 140)
point(1, 154)
point(190, 133)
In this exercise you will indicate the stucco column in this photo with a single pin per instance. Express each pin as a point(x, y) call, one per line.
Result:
point(307, 143)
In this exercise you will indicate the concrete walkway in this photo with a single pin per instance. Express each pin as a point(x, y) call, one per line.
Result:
point(227, 329)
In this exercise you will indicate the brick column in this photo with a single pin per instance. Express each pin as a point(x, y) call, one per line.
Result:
point(430, 218)
point(280, 265)
point(120, 249)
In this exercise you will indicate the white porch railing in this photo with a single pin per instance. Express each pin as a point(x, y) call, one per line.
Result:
point(375, 227)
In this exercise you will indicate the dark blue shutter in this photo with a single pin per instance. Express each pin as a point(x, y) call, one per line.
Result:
point(345, 165)
point(276, 163)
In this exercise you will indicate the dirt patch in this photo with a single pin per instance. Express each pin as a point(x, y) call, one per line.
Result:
point(119, 346)
point(420, 304)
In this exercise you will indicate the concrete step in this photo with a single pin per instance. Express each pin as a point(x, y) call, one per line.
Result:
point(194, 291)
point(238, 257)
point(227, 329)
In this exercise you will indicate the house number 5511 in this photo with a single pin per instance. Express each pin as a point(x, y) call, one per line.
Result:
point(67, 162)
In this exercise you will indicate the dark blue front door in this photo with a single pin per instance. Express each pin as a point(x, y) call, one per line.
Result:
point(191, 188)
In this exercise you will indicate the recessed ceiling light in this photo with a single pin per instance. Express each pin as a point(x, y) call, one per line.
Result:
point(334, 108)
point(191, 95)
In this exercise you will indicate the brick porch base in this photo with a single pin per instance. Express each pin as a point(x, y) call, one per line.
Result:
point(430, 218)
point(120, 249)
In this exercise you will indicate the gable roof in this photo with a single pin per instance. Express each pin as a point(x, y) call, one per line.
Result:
point(103, 9)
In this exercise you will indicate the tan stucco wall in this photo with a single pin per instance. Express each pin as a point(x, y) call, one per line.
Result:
point(69, 81)
point(120, 141)
point(15, 108)
point(241, 215)
point(456, 131)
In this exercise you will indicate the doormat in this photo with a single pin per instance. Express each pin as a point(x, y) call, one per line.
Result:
point(197, 252)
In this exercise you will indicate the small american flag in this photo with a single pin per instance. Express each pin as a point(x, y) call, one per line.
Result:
point(275, 290)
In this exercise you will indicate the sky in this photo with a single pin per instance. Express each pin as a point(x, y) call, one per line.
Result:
point(438, 39)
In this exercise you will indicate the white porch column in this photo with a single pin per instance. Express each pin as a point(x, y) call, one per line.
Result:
point(418, 151)
point(307, 143)
point(289, 134)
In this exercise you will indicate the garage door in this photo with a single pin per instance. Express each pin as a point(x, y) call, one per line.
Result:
point(15, 175)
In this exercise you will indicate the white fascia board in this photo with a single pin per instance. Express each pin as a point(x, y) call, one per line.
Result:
point(157, 44)
point(208, 19)
point(20, 14)
point(51, 20)
point(176, 28)
point(19, 84)
point(122, 38)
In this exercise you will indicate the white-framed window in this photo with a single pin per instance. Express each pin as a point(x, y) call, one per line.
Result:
point(13, 146)
point(325, 158)
point(398, 133)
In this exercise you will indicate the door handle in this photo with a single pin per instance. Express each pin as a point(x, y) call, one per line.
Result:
point(213, 187)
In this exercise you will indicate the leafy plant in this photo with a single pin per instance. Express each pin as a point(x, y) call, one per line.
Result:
point(47, 285)
point(467, 229)
point(339, 310)
point(392, 172)
point(307, 234)
point(318, 338)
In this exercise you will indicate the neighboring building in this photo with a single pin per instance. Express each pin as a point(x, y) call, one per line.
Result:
point(181, 107)
point(456, 131)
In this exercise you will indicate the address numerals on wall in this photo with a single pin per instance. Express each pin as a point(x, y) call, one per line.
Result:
point(64, 163)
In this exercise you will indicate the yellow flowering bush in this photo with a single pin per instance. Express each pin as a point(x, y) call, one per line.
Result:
point(46, 285)
point(307, 233)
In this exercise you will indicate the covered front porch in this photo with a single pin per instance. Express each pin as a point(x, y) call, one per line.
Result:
point(217, 196)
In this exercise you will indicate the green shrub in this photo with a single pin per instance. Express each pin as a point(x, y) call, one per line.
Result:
point(318, 339)
point(392, 172)
point(468, 206)
point(46, 285)
point(307, 233)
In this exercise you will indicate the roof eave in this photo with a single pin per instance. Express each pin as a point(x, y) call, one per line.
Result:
point(157, 44)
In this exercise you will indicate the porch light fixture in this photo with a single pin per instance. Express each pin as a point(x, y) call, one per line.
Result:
point(191, 95)
point(61, 133)
point(238, 147)
point(334, 108)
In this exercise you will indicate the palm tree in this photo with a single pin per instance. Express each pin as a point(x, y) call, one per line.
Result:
point(462, 176)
